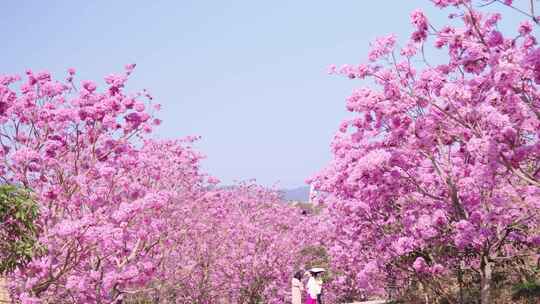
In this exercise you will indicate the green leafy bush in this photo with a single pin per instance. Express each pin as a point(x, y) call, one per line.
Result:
point(19, 229)
point(529, 291)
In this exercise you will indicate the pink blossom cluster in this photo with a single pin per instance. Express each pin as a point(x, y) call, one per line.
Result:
point(124, 215)
point(237, 245)
point(439, 169)
point(105, 191)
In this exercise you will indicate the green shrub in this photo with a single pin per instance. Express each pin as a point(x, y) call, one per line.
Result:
point(18, 230)
point(526, 291)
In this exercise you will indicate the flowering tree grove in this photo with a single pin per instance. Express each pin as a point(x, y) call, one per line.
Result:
point(436, 180)
point(434, 185)
point(84, 155)
point(238, 245)
point(124, 217)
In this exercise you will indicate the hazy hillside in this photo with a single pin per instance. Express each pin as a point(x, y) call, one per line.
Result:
point(300, 194)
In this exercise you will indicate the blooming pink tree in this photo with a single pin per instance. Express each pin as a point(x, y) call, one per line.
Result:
point(237, 245)
point(438, 174)
point(105, 192)
point(123, 216)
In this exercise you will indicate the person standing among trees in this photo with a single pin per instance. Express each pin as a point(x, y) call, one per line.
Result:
point(297, 288)
point(314, 286)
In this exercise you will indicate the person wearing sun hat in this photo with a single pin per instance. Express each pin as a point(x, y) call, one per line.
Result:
point(314, 286)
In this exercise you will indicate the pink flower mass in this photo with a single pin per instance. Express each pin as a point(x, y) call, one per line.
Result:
point(442, 159)
point(122, 212)
point(434, 180)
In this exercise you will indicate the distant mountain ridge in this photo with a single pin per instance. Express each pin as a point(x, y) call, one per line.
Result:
point(299, 194)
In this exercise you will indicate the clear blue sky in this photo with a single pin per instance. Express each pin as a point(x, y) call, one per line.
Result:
point(248, 76)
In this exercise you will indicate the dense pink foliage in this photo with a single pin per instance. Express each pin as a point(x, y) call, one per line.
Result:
point(439, 169)
point(239, 245)
point(102, 187)
point(124, 215)
point(437, 173)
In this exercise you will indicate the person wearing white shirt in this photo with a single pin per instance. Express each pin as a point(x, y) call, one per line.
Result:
point(314, 286)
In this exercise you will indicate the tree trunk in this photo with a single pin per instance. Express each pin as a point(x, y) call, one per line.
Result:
point(485, 282)
point(460, 282)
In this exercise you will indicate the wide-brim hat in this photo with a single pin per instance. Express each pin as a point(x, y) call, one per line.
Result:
point(317, 269)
